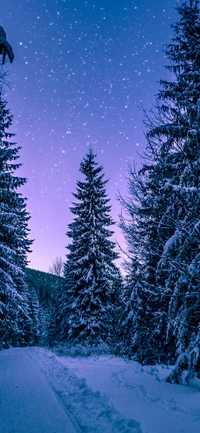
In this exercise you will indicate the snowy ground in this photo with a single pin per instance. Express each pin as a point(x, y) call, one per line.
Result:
point(92, 412)
point(141, 393)
point(138, 393)
point(27, 402)
point(97, 395)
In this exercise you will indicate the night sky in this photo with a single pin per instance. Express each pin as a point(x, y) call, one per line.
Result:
point(81, 71)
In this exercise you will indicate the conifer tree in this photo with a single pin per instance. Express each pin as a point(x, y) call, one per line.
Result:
point(90, 273)
point(181, 257)
point(169, 208)
point(138, 223)
point(15, 322)
point(35, 332)
point(59, 326)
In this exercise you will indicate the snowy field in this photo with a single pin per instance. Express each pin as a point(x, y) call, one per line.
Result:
point(41, 392)
point(107, 394)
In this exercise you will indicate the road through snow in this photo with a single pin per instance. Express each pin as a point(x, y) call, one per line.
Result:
point(40, 392)
point(27, 402)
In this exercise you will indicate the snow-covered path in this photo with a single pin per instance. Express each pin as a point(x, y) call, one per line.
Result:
point(41, 392)
point(27, 402)
point(141, 393)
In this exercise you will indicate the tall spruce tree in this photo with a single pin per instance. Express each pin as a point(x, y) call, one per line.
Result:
point(15, 322)
point(181, 256)
point(138, 223)
point(90, 274)
point(169, 208)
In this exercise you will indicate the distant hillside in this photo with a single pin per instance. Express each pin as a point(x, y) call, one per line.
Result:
point(46, 285)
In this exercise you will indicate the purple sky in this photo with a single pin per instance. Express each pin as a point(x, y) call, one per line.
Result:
point(81, 71)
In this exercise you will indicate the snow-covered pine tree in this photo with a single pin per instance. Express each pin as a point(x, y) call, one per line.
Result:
point(59, 325)
point(179, 132)
point(15, 322)
point(138, 223)
point(117, 305)
point(168, 210)
point(90, 272)
point(35, 332)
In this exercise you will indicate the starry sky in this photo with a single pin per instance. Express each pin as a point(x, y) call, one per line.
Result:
point(82, 70)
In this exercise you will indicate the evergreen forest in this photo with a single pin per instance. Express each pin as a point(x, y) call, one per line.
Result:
point(150, 312)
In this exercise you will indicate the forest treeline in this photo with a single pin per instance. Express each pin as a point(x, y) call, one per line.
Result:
point(152, 314)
